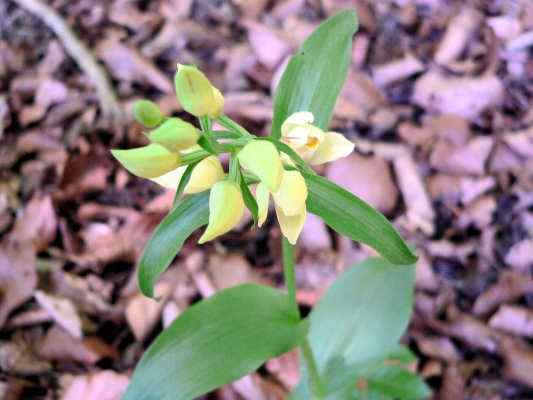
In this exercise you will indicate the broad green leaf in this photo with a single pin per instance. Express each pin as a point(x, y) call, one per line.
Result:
point(397, 383)
point(188, 215)
point(352, 217)
point(216, 342)
point(315, 74)
point(358, 323)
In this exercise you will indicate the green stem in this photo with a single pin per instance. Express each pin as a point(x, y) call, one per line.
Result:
point(193, 156)
point(307, 352)
point(230, 124)
point(234, 169)
point(289, 274)
point(314, 376)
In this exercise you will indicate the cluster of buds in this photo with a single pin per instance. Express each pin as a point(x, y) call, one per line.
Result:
point(174, 144)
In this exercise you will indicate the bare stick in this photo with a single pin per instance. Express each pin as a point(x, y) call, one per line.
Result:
point(80, 53)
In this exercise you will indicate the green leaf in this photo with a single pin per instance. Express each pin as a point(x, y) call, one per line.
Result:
point(358, 322)
point(352, 217)
point(315, 74)
point(183, 182)
point(166, 241)
point(248, 198)
point(216, 342)
point(398, 383)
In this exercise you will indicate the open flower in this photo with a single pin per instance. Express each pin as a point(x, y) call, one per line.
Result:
point(313, 144)
point(226, 208)
point(289, 201)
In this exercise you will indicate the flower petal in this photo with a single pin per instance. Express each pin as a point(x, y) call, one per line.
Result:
point(148, 161)
point(292, 193)
point(291, 226)
point(171, 179)
point(334, 146)
point(226, 208)
point(262, 195)
point(262, 158)
point(218, 103)
point(208, 172)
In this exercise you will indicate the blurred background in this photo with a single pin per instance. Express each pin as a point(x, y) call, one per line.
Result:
point(438, 102)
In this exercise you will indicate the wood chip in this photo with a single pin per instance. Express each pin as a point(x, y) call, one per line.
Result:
point(513, 319)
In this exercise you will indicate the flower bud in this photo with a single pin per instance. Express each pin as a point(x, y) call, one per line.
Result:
point(292, 193)
point(148, 161)
point(208, 172)
point(196, 94)
point(262, 195)
point(291, 225)
point(262, 158)
point(175, 134)
point(226, 208)
point(147, 113)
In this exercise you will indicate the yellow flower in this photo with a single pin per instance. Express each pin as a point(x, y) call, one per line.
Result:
point(148, 161)
point(310, 142)
point(147, 113)
point(289, 201)
point(196, 94)
point(175, 134)
point(208, 172)
point(262, 158)
point(226, 208)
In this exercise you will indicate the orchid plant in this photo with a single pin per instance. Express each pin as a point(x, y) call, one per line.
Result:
point(349, 343)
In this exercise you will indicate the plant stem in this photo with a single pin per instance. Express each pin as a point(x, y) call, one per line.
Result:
point(314, 377)
point(307, 352)
point(230, 124)
point(289, 274)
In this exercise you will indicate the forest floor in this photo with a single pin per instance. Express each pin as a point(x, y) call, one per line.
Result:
point(438, 102)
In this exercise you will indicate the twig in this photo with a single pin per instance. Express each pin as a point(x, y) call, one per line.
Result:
point(80, 53)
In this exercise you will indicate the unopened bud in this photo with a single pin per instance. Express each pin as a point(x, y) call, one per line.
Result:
point(262, 158)
point(226, 208)
point(147, 113)
point(196, 94)
point(148, 161)
point(175, 134)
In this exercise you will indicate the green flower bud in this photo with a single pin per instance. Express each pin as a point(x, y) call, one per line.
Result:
point(147, 113)
point(147, 161)
point(196, 94)
point(262, 158)
point(175, 134)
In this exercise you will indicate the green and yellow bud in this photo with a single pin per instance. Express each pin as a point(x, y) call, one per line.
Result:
point(196, 94)
point(292, 193)
point(148, 161)
point(262, 158)
point(175, 134)
point(147, 113)
point(208, 172)
point(226, 208)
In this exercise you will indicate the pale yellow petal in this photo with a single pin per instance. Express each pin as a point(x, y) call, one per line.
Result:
point(171, 179)
point(297, 118)
point(262, 158)
point(148, 161)
point(292, 193)
point(226, 208)
point(262, 196)
point(334, 146)
point(208, 172)
point(291, 226)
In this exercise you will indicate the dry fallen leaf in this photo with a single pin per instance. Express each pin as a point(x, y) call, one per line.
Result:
point(467, 97)
point(62, 311)
point(18, 277)
point(367, 177)
point(513, 319)
point(102, 385)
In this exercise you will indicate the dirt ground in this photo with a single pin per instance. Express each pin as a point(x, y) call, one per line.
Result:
point(438, 102)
